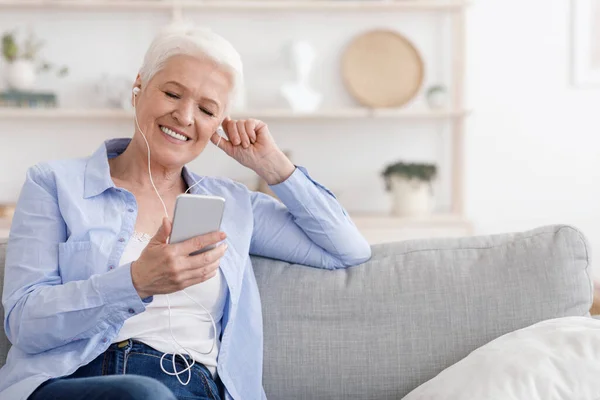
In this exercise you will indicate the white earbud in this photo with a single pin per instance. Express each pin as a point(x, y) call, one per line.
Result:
point(136, 90)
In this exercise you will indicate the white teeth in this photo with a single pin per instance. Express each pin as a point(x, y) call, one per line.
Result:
point(173, 134)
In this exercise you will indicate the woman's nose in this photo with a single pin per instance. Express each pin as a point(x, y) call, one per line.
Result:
point(184, 113)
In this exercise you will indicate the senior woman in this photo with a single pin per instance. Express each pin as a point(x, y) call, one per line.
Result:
point(93, 302)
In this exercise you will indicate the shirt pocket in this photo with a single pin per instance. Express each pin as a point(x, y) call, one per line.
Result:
point(74, 261)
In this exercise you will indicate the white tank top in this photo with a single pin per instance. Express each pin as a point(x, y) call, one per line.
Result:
point(190, 325)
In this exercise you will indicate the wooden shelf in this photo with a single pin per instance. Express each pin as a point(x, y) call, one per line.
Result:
point(389, 221)
point(4, 228)
point(350, 5)
point(280, 114)
point(72, 5)
point(62, 113)
point(380, 228)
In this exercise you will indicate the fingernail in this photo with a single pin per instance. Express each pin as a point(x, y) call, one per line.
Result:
point(222, 235)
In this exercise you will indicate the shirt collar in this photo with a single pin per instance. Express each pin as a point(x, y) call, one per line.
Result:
point(97, 171)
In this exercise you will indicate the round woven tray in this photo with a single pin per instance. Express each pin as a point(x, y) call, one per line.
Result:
point(381, 68)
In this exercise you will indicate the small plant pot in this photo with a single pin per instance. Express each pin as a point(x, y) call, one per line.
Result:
point(437, 98)
point(410, 197)
point(21, 75)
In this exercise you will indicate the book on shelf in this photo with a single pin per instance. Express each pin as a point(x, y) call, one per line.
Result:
point(13, 98)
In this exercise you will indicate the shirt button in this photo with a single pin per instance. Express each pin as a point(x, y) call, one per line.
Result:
point(118, 190)
point(111, 267)
point(104, 340)
point(130, 210)
point(121, 240)
point(131, 311)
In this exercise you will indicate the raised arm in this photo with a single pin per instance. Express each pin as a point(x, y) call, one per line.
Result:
point(310, 227)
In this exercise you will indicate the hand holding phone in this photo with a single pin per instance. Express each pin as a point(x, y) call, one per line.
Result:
point(168, 266)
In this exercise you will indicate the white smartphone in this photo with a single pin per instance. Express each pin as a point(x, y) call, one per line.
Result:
point(196, 215)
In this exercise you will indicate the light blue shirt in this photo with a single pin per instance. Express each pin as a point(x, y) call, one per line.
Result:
point(65, 297)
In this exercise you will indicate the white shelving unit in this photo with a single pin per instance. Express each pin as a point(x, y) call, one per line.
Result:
point(382, 228)
point(377, 228)
point(348, 113)
point(357, 5)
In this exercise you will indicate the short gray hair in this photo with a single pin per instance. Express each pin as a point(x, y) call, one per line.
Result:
point(196, 42)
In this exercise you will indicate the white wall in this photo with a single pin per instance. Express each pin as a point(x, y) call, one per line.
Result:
point(533, 148)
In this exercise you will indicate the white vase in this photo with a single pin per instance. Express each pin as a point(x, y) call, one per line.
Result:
point(437, 98)
point(410, 198)
point(20, 75)
point(298, 93)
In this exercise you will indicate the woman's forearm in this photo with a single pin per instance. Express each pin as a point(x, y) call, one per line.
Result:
point(318, 213)
point(52, 315)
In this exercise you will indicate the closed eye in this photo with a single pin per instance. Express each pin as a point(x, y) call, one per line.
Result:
point(172, 95)
point(205, 111)
point(176, 96)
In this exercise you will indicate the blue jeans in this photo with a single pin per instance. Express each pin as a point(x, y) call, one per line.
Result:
point(131, 370)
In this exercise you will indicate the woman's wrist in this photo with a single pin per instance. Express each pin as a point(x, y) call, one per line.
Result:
point(276, 169)
point(136, 285)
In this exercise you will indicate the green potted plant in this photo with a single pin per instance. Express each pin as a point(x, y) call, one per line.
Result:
point(23, 63)
point(410, 185)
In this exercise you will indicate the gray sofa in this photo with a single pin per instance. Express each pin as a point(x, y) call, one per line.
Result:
point(378, 330)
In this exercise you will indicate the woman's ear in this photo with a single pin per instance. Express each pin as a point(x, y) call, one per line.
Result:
point(137, 87)
point(138, 81)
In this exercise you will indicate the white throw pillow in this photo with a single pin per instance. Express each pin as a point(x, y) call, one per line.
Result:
point(553, 359)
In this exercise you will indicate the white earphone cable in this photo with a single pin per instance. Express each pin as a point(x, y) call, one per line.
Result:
point(180, 347)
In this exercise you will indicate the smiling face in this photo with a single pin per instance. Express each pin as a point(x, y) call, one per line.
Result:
point(180, 108)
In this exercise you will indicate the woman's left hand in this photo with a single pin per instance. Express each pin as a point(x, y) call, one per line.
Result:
point(250, 143)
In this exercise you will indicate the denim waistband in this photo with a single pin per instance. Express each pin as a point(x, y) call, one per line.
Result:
point(136, 358)
point(131, 345)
